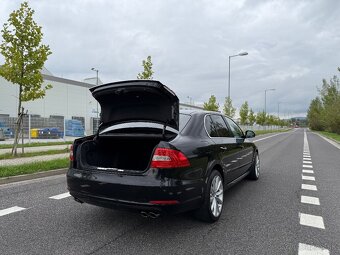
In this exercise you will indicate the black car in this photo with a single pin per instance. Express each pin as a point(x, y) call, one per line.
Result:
point(150, 157)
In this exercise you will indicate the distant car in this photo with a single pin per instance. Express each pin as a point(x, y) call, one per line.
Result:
point(149, 157)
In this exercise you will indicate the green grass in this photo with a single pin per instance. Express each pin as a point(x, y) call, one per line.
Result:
point(330, 135)
point(32, 154)
point(262, 132)
point(6, 171)
point(34, 144)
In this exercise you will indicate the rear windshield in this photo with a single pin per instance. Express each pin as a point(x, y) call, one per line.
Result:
point(183, 120)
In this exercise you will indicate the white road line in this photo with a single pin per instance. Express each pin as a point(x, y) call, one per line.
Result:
point(306, 156)
point(307, 171)
point(308, 178)
point(306, 249)
point(308, 187)
point(61, 196)
point(310, 200)
point(268, 137)
point(311, 220)
point(306, 162)
point(307, 166)
point(308, 159)
point(335, 144)
point(11, 210)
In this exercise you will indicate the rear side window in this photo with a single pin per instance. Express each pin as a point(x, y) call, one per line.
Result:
point(183, 120)
point(216, 126)
point(220, 126)
point(234, 128)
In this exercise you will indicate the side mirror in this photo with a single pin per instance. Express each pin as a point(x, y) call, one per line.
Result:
point(250, 134)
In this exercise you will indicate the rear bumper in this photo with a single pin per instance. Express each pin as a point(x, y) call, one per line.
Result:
point(134, 192)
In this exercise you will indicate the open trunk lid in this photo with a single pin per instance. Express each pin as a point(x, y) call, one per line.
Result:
point(137, 101)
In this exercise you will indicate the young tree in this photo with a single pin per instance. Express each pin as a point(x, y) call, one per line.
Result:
point(244, 111)
point(251, 117)
point(25, 56)
point(147, 73)
point(211, 105)
point(261, 118)
point(228, 108)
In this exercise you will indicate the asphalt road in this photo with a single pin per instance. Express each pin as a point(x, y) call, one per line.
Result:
point(262, 217)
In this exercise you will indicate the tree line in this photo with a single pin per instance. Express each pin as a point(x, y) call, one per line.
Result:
point(247, 115)
point(324, 110)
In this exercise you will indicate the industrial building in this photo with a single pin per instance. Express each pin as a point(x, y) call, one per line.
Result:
point(67, 100)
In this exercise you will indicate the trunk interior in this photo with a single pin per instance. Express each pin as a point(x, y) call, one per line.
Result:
point(128, 153)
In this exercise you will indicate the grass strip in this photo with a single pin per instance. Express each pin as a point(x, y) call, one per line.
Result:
point(32, 154)
point(262, 132)
point(330, 135)
point(34, 144)
point(6, 171)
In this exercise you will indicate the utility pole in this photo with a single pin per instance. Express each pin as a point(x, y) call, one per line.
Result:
point(237, 55)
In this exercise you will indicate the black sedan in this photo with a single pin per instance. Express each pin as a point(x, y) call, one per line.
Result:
point(150, 157)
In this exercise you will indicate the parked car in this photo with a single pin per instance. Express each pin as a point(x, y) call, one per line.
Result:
point(149, 157)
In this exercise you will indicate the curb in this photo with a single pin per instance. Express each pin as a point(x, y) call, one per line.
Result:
point(332, 141)
point(25, 177)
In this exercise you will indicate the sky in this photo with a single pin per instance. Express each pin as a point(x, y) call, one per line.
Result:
point(292, 45)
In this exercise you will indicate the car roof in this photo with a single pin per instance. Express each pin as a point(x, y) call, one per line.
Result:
point(198, 112)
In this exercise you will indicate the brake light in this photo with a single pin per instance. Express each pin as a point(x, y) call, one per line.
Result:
point(71, 153)
point(169, 158)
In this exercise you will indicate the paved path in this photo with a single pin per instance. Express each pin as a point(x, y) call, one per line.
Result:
point(38, 148)
point(20, 161)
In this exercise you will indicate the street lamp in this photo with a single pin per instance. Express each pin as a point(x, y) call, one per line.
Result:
point(265, 99)
point(237, 55)
point(278, 109)
point(96, 70)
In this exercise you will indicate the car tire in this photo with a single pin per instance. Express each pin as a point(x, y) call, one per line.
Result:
point(213, 195)
point(254, 170)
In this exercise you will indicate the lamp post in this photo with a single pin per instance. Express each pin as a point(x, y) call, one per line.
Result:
point(96, 70)
point(237, 55)
point(265, 99)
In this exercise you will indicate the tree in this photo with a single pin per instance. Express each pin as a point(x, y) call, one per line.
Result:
point(244, 111)
point(261, 118)
point(147, 73)
point(228, 108)
point(211, 105)
point(25, 56)
point(314, 114)
point(251, 117)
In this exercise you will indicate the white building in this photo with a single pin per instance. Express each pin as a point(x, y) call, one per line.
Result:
point(68, 98)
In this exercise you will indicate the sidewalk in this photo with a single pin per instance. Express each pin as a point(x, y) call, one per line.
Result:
point(21, 161)
point(38, 148)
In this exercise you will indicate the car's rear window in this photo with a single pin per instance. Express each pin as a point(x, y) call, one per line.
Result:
point(183, 120)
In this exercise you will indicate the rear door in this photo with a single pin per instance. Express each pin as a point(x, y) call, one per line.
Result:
point(225, 145)
point(245, 154)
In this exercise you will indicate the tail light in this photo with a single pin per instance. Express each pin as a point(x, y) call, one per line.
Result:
point(71, 153)
point(169, 158)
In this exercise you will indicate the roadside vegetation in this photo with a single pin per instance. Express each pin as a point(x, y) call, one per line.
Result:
point(324, 110)
point(35, 144)
point(6, 171)
point(247, 115)
point(33, 154)
point(333, 136)
point(262, 132)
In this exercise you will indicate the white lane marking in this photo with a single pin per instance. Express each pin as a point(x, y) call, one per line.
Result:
point(61, 196)
point(268, 137)
point(306, 162)
point(307, 166)
point(306, 156)
point(308, 178)
point(308, 159)
point(335, 144)
point(310, 200)
point(306, 153)
point(306, 249)
point(307, 171)
point(308, 187)
point(311, 220)
point(11, 210)
point(234, 161)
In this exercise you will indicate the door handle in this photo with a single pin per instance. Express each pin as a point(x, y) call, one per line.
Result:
point(223, 148)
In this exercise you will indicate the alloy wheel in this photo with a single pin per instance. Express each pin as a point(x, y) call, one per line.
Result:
point(216, 196)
